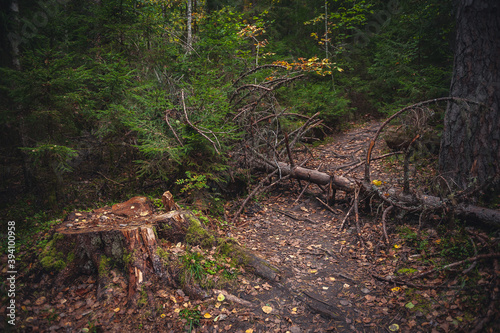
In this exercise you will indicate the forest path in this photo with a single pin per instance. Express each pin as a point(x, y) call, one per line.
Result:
point(325, 277)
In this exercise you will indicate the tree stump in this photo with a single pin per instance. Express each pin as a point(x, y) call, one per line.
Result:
point(120, 245)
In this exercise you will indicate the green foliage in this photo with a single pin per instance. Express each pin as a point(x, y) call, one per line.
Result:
point(207, 269)
point(417, 240)
point(192, 182)
point(192, 316)
point(319, 96)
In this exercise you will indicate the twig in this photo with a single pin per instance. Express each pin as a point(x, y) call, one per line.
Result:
point(255, 190)
point(406, 166)
point(196, 128)
point(346, 216)
point(384, 215)
point(301, 193)
point(111, 180)
point(458, 263)
point(388, 120)
point(292, 164)
point(471, 267)
point(293, 217)
point(172, 129)
point(358, 164)
point(356, 214)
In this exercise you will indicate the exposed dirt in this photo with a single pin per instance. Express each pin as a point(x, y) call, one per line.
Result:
point(327, 281)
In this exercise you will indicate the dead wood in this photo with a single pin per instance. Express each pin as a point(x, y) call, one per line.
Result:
point(234, 299)
point(323, 308)
point(458, 263)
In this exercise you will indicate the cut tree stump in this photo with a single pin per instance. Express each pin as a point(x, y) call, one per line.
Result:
point(125, 237)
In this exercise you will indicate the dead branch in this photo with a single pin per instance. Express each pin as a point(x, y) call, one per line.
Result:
point(172, 129)
point(388, 120)
point(458, 263)
point(384, 216)
point(202, 133)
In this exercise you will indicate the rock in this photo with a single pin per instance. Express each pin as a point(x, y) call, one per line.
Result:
point(136, 206)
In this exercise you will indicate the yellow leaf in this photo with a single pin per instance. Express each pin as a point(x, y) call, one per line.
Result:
point(397, 246)
point(163, 315)
point(376, 182)
point(177, 310)
point(313, 271)
point(267, 309)
point(394, 327)
point(250, 330)
point(221, 297)
point(207, 315)
point(395, 289)
point(116, 309)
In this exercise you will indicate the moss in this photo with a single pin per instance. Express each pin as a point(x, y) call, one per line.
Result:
point(127, 258)
point(143, 299)
point(70, 258)
point(104, 266)
point(407, 271)
point(163, 255)
point(50, 258)
point(229, 247)
point(196, 234)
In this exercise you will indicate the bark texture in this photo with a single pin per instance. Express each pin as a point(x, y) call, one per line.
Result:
point(470, 147)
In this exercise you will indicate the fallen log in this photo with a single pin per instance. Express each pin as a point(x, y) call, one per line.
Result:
point(473, 214)
point(317, 177)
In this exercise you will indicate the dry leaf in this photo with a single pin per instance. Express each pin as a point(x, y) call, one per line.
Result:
point(267, 309)
point(394, 327)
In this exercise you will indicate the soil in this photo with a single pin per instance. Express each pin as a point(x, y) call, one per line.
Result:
point(327, 279)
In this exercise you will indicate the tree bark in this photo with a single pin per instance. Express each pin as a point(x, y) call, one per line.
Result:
point(470, 146)
point(189, 26)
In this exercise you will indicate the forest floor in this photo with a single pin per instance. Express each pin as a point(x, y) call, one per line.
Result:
point(326, 282)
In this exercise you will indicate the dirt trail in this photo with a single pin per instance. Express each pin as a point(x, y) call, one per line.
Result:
point(325, 282)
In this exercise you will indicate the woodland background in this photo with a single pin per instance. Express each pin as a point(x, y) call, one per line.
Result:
point(95, 94)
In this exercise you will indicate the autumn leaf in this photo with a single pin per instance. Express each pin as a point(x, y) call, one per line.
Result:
point(395, 289)
point(267, 309)
point(221, 297)
point(207, 315)
point(116, 309)
point(409, 305)
point(376, 182)
point(394, 327)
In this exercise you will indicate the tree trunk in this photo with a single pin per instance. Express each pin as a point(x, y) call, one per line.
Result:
point(189, 26)
point(470, 146)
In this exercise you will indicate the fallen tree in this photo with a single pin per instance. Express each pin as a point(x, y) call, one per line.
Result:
point(270, 155)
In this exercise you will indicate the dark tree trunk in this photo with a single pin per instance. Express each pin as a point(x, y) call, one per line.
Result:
point(470, 146)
